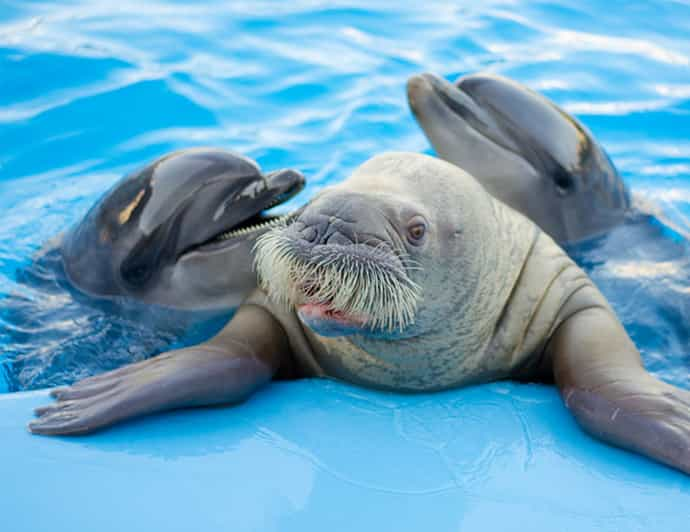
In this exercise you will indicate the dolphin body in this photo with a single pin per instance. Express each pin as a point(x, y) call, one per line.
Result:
point(179, 232)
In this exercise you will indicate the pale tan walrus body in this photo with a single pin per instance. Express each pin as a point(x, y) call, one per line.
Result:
point(408, 276)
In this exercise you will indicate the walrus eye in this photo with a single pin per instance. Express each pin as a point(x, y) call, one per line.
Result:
point(416, 230)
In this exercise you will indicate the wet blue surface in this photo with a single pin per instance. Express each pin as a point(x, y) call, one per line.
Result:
point(88, 93)
point(504, 457)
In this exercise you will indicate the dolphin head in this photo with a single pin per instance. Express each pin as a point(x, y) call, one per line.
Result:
point(178, 232)
point(525, 150)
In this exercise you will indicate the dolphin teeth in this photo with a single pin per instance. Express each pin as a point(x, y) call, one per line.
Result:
point(234, 233)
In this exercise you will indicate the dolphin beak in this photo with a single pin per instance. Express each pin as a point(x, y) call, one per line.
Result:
point(434, 99)
point(425, 89)
point(418, 88)
point(237, 210)
point(284, 184)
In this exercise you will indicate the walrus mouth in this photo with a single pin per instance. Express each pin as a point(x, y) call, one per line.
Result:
point(326, 312)
point(355, 287)
point(313, 307)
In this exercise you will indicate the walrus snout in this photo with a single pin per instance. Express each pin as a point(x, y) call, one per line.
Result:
point(343, 220)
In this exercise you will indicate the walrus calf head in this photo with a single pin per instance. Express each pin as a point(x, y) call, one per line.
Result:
point(386, 252)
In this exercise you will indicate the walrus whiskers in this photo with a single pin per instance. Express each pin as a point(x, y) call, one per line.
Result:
point(364, 285)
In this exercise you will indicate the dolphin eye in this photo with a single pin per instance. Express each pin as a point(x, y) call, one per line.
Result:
point(136, 274)
point(416, 231)
point(137, 269)
point(564, 182)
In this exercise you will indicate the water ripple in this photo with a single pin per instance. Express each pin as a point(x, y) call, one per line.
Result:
point(90, 92)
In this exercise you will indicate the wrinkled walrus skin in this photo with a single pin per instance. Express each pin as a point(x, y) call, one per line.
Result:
point(471, 291)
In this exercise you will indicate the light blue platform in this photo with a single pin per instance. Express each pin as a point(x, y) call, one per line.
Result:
point(321, 456)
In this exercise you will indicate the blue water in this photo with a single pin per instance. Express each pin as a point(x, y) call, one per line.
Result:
point(88, 93)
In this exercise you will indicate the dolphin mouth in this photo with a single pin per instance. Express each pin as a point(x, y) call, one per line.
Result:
point(281, 186)
point(256, 224)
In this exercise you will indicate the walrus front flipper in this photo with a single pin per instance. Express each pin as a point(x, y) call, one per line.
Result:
point(244, 356)
point(603, 382)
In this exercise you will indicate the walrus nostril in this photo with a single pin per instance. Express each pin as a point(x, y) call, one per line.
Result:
point(309, 234)
point(337, 239)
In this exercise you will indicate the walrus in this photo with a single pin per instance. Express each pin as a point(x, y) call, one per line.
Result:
point(178, 232)
point(408, 276)
point(537, 158)
point(526, 151)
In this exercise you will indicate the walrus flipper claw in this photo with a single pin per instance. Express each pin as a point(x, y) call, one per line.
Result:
point(226, 369)
point(604, 384)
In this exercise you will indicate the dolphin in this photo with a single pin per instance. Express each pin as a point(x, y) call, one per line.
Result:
point(179, 232)
point(525, 150)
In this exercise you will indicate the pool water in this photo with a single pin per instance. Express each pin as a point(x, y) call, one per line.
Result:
point(89, 93)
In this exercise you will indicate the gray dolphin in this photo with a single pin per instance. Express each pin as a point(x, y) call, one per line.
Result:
point(525, 150)
point(178, 232)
